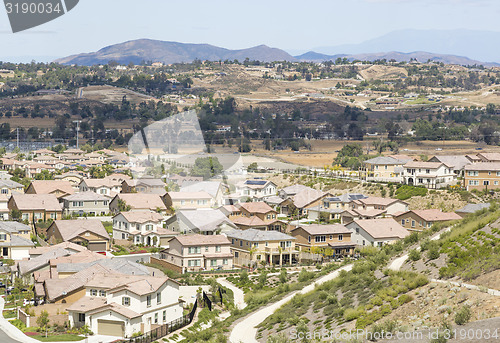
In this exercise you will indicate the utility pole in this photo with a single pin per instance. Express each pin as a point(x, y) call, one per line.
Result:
point(77, 130)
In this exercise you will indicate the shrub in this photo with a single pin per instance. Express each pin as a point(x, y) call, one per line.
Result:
point(414, 255)
point(463, 315)
point(433, 253)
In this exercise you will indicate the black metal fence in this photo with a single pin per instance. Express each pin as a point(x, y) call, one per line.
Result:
point(163, 330)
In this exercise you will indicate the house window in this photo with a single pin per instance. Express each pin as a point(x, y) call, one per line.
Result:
point(495, 183)
point(148, 300)
point(256, 245)
point(93, 292)
point(193, 263)
point(81, 317)
point(217, 248)
point(126, 301)
point(156, 318)
point(3, 237)
point(341, 237)
point(427, 171)
point(241, 243)
point(319, 239)
point(5, 191)
point(206, 249)
point(232, 240)
point(194, 250)
point(158, 298)
point(224, 261)
point(149, 227)
point(102, 293)
point(164, 316)
point(412, 223)
point(486, 183)
point(105, 202)
point(309, 239)
point(236, 254)
point(331, 237)
point(213, 263)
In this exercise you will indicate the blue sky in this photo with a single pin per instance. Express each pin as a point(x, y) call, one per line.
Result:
point(290, 25)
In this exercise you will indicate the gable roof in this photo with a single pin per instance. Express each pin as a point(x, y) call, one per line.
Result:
point(256, 207)
point(68, 246)
point(17, 241)
point(50, 186)
point(70, 229)
point(204, 219)
point(433, 215)
point(385, 160)
point(141, 216)
point(189, 195)
point(425, 165)
point(86, 196)
point(28, 266)
point(319, 229)
point(28, 202)
point(93, 305)
point(138, 284)
point(142, 200)
point(489, 156)
point(13, 227)
point(483, 166)
point(211, 187)
point(381, 228)
point(294, 189)
point(377, 201)
point(306, 197)
point(254, 235)
point(106, 182)
point(196, 239)
point(458, 162)
point(10, 184)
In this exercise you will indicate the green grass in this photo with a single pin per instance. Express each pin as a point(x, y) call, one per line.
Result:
point(58, 338)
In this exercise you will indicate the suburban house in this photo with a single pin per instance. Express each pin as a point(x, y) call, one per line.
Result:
point(376, 232)
point(89, 233)
point(36, 207)
point(388, 205)
point(332, 239)
point(457, 162)
point(482, 175)
point(59, 188)
point(385, 168)
point(4, 207)
point(104, 186)
point(432, 175)
point(137, 202)
point(255, 189)
point(144, 185)
point(86, 203)
point(15, 242)
point(256, 246)
point(489, 156)
point(423, 219)
point(257, 215)
point(308, 199)
point(471, 208)
point(291, 191)
point(214, 188)
point(192, 253)
point(8, 187)
point(183, 200)
point(205, 221)
point(142, 227)
point(122, 305)
point(332, 207)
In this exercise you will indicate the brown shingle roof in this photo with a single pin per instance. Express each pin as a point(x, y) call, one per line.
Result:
point(381, 228)
point(318, 229)
point(191, 240)
point(70, 229)
point(256, 207)
point(433, 215)
point(26, 202)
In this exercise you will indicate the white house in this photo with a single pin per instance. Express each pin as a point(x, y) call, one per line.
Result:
point(255, 189)
point(121, 305)
point(429, 174)
point(15, 240)
point(101, 186)
point(376, 232)
point(142, 227)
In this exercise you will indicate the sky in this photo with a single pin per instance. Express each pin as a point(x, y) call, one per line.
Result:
point(295, 26)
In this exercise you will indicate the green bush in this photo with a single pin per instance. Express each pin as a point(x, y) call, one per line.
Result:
point(433, 253)
point(414, 255)
point(463, 315)
point(406, 192)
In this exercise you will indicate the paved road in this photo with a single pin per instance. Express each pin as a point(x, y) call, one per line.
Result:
point(245, 331)
point(6, 339)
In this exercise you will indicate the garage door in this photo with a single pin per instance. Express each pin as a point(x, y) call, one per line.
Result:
point(110, 328)
point(97, 246)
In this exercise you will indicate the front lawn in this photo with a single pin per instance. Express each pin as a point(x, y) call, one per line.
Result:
point(58, 338)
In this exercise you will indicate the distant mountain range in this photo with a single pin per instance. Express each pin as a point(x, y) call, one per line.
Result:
point(447, 46)
point(140, 50)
